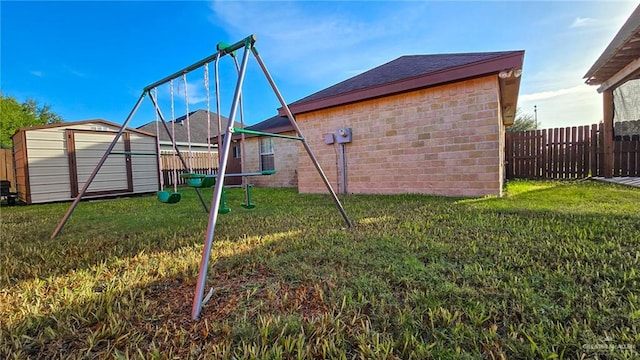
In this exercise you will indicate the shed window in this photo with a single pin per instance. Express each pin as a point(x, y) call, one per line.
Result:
point(266, 154)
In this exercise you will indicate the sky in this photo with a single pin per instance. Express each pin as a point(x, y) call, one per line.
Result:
point(92, 59)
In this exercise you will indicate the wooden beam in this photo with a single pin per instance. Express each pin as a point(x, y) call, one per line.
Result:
point(607, 98)
point(620, 76)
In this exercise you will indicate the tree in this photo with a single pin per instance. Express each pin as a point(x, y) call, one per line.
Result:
point(523, 122)
point(14, 115)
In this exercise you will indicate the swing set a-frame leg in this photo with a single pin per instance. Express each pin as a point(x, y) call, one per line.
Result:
point(81, 193)
point(198, 300)
point(304, 142)
point(217, 191)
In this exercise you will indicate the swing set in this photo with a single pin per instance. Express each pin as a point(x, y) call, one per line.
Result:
point(248, 45)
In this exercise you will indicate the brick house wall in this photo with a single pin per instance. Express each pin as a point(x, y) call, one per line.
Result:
point(443, 140)
point(285, 157)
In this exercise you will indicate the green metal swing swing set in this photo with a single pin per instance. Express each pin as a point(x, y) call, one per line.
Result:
point(198, 180)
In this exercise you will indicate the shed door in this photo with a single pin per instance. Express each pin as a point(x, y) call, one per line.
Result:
point(85, 149)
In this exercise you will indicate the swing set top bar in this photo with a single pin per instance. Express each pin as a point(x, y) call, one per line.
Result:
point(228, 50)
point(261, 133)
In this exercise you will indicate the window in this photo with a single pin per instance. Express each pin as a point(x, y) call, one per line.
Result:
point(266, 154)
point(236, 151)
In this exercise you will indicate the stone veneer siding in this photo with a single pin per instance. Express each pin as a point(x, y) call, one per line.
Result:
point(285, 157)
point(444, 140)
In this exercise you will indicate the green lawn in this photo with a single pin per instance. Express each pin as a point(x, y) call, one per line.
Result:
point(551, 270)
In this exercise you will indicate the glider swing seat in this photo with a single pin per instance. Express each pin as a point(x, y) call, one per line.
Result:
point(199, 180)
point(248, 46)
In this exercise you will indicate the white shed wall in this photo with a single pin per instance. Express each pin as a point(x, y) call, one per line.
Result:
point(48, 161)
point(48, 165)
point(145, 168)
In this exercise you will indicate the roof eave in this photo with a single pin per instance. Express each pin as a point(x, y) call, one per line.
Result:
point(509, 90)
point(482, 68)
point(626, 40)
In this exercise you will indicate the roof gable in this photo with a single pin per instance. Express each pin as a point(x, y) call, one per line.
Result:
point(409, 73)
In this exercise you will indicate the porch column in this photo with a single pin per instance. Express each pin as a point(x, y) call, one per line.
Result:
point(607, 97)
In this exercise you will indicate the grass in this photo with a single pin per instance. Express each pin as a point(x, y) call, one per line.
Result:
point(549, 271)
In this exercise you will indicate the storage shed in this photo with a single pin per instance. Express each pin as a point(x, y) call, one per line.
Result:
point(54, 161)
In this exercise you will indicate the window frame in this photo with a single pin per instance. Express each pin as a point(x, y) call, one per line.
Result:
point(270, 152)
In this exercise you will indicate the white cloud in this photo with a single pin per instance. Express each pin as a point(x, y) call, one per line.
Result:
point(73, 71)
point(542, 95)
point(196, 94)
point(576, 105)
point(582, 22)
point(320, 43)
point(37, 73)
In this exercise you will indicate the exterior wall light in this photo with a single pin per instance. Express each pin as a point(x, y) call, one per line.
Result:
point(504, 74)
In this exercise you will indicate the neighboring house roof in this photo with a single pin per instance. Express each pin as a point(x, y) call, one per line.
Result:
point(408, 73)
point(197, 126)
point(622, 56)
point(275, 125)
point(82, 122)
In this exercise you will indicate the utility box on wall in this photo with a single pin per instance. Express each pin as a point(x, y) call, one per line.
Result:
point(328, 138)
point(344, 136)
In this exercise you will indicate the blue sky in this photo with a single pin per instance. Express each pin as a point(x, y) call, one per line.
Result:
point(92, 59)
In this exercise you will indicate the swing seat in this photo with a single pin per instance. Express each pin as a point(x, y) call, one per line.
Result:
point(168, 198)
point(199, 180)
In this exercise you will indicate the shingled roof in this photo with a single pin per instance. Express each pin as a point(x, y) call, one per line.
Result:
point(197, 124)
point(408, 73)
point(276, 124)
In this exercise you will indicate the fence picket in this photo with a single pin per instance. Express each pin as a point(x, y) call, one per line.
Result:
point(568, 153)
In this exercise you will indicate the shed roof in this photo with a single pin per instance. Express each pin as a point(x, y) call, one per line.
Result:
point(197, 125)
point(408, 73)
point(82, 122)
point(621, 56)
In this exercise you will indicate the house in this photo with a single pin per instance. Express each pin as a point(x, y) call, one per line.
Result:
point(270, 153)
point(617, 74)
point(431, 124)
point(53, 162)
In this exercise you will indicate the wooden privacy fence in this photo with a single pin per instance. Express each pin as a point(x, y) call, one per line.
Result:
point(568, 153)
point(7, 171)
point(201, 163)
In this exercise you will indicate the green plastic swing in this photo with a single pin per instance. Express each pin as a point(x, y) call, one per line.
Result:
point(199, 180)
point(168, 198)
point(163, 195)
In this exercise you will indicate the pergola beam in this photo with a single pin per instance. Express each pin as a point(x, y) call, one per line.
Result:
point(607, 136)
point(621, 76)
